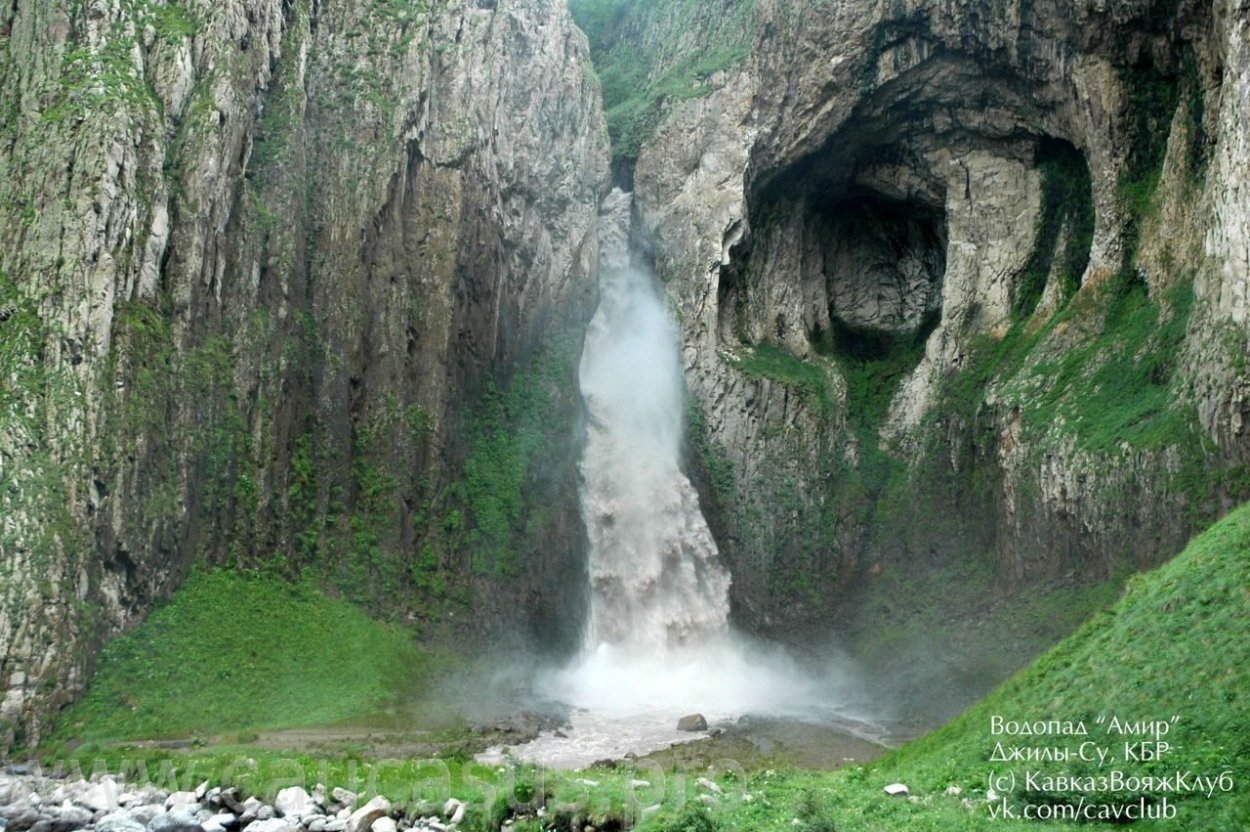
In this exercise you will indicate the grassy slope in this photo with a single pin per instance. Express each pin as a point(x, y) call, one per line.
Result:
point(1177, 644)
point(233, 651)
point(643, 63)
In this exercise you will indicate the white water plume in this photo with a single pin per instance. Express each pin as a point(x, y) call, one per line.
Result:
point(656, 581)
point(658, 642)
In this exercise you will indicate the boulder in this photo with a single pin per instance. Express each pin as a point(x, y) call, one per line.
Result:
point(21, 815)
point(362, 819)
point(271, 825)
point(692, 722)
point(103, 796)
point(178, 820)
point(68, 818)
point(295, 802)
point(118, 822)
point(183, 800)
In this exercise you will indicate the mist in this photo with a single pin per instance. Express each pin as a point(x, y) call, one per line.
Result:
point(658, 642)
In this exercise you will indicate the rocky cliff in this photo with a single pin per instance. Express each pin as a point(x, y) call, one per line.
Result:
point(961, 283)
point(288, 284)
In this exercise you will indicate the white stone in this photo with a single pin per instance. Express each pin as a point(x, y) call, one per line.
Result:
point(707, 784)
point(271, 825)
point(896, 790)
point(362, 819)
point(294, 802)
point(118, 823)
point(102, 796)
point(384, 824)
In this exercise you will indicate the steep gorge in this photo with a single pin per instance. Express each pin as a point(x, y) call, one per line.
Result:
point(295, 285)
point(301, 285)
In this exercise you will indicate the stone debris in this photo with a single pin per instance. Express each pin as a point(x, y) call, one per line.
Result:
point(29, 803)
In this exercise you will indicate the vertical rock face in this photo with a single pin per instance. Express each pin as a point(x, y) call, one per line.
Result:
point(258, 259)
point(960, 280)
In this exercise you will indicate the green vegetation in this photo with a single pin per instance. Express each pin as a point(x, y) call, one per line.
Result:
point(516, 439)
point(645, 64)
point(1173, 646)
point(1117, 387)
point(775, 363)
point(235, 651)
point(1067, 206)
point(1153, 96)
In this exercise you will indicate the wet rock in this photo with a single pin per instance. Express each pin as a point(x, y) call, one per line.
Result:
point(229, 800)
point(692, 722)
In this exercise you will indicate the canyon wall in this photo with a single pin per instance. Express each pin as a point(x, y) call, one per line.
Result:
point(961, 284)
point(294, 285)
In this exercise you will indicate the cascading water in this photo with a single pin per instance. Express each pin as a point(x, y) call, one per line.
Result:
point(656, 581)
point(658, 643)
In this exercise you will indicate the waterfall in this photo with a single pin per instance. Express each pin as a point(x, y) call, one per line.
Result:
point(656, 580)
point(658, 642)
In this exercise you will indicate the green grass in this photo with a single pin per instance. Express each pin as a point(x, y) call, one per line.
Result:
point(1175, 645)
point(1116, 387)
point(643, 64)
point(233, 651)
point(777, 364)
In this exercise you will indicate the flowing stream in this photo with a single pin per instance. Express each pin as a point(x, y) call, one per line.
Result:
point(658, 644)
